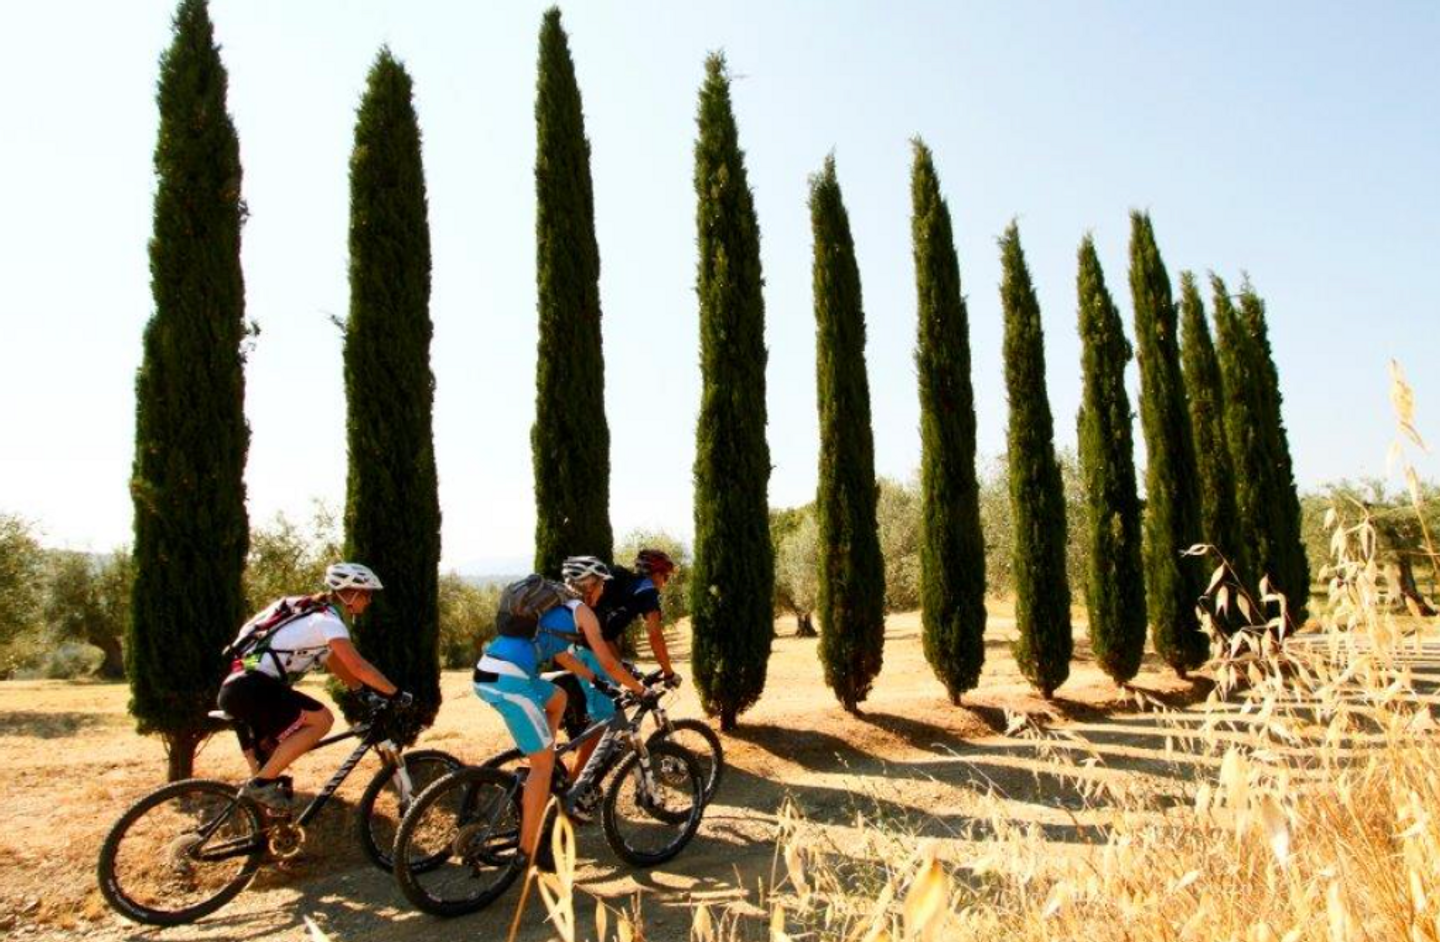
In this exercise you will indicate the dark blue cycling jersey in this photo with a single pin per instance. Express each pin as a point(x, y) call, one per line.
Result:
point(621, 605)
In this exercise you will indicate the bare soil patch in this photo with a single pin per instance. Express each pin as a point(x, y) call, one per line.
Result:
point(73, 764)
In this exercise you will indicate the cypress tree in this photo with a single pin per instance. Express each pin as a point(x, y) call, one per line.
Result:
point(1115, 587)
point(952, 547)
point(851, 601)
point(1173, 584)
point(570, 442)
point(392, 508)
point(1205, 392)
point(1276, 545)
point(1240, 389)
point(188, 487)
point(733, 577)
point(1037, 495)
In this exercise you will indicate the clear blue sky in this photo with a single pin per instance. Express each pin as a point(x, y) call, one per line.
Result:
point(1299, 142)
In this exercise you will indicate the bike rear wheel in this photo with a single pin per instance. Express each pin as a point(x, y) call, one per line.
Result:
point(388, 797)
point(181, 853)
point(696, 737)
point(653, 807)
point(457, 847)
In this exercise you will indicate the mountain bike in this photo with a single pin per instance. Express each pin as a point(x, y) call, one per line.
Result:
point(470, 819)
point(188, 848)
point(694, 735)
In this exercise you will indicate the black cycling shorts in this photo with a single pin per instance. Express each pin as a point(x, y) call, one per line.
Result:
point(270, 708)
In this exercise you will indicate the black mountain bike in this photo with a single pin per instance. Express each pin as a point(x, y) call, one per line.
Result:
point(470, 819)
point(694, 735)
point(190, 847)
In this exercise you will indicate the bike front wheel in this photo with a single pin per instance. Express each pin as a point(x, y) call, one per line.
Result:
point(697, 738)
point(458, 846)
point(391, 793)
point(654, 805)
point(181, 852)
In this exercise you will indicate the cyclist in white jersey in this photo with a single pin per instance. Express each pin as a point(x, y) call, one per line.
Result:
point(258, 691)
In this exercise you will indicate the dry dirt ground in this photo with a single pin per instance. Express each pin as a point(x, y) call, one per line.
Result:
point(72, 763)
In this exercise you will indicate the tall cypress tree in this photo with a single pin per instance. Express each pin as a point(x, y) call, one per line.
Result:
point(733, 577)
point(392, 508)
point(851, 602)
point(1115, 588)
point(1286, 564)
point(570, 442)
point(1205, 392)
point(1173, 585)
point(1240, 388)
point(952, 547)
point(188, 486)
point(1037, 495)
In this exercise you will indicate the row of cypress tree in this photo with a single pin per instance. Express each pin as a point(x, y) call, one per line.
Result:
point(1205, 479)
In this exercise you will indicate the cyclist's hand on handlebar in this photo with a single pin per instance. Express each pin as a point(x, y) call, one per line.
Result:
point(672, 681)
point(402, 699)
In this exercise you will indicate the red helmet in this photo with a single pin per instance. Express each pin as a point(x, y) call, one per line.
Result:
point(654, 562)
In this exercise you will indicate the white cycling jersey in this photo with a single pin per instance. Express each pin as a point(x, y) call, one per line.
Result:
point(297, 645)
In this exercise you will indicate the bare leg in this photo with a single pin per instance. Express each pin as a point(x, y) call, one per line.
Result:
point(314, 724)
point(537, 785)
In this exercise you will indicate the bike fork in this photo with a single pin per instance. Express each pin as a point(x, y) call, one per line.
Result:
point(403, 784)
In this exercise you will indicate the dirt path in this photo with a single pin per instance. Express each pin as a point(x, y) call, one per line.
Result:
point(73, 764)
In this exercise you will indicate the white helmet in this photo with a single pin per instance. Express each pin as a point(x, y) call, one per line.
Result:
point(578, 569)
point(351, 576)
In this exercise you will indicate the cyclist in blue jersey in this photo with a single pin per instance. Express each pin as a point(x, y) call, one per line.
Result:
point(508, 678)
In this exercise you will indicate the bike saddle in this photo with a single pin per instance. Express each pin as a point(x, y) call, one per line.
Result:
point(222, 716)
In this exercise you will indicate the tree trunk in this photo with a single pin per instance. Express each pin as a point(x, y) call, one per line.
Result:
point(804, 626)
point(727, 720)
point(1403, 576)
point(180, 754)
point(113, 666)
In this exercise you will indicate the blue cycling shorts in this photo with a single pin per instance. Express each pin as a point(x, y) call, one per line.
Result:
point(520, 700)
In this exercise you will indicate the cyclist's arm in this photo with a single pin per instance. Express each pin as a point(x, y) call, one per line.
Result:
point(344, 657)
point(657, 641)
point(589, 626)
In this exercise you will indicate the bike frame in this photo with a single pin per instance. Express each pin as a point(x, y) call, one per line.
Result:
point(385, 747)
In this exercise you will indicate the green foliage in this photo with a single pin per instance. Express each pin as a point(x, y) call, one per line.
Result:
point(952, 545)
point(286, 559)
point(392, 511)
point(732, 592)
point(1285, 560)
point(87, 600)
point(1173, 584)
point(675, 597)
point(22, 573)
point(1037, 494)
point(190, 434)
point(797, 569)
point(1206, 394)
point(467, 619)
point(1269, 521)
point(1115, 575)
point(851, 603)
point(570, 441)
point(898, 517)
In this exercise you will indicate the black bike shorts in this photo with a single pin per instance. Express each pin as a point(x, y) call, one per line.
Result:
point(268, 707)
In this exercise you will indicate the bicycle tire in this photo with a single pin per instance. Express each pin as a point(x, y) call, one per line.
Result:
point(377, 834)
point(674, 756)
point(123, 900)
point(464, 787)
point(712, 768)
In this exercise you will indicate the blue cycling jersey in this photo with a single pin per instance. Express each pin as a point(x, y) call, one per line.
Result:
point(553, 636)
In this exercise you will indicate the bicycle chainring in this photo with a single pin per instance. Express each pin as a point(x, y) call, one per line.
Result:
point(286, 839)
